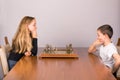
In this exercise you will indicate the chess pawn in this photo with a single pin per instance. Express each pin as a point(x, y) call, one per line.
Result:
point(46, 50)
point(70, 47)
point(55, 49)
point(67, 49)
point(51, 49)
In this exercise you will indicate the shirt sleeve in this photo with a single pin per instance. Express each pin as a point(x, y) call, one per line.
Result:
point(35, 47)
point(112, 51)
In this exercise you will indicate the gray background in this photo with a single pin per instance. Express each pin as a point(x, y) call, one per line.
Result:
point(61, 22)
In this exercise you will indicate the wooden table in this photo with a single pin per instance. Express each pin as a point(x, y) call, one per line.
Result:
point(86, 67)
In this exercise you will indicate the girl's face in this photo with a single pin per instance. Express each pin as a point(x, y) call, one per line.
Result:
point(100, 36)
point(32, 25)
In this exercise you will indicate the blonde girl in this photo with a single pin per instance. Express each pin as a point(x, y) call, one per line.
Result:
point(24, 42)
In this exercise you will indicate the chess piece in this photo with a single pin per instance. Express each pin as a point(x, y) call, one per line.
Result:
point(49, 49)
point(69, 48)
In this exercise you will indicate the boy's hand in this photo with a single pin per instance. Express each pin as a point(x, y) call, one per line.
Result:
point(92, 48)
point(27, 53)
point(97, 43)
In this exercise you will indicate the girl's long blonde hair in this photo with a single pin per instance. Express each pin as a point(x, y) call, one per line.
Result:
point(22, 40)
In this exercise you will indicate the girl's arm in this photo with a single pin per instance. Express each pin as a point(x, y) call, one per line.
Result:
point(35, 47)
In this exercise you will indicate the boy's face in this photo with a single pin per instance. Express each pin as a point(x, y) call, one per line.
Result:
point(100, 36)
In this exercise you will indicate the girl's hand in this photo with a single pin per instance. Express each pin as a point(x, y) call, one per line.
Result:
point(27, 53)
point(34, 34)
point(33, 28)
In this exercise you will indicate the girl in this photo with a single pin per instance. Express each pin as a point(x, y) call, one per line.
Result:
point(24, 42)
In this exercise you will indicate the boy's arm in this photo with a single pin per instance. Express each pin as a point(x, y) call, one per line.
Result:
point(92, 48)
point(117, 61)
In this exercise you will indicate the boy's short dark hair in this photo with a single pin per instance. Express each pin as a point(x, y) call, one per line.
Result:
point(106, 29)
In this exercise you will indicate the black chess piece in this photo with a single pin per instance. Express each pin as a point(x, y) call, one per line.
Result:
point(69, 48)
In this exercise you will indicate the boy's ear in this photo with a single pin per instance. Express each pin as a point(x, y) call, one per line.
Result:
point(106, 35)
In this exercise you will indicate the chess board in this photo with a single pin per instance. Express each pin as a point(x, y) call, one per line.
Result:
point(59, 54)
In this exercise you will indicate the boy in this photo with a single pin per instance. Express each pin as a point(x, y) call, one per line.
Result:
point(107, 50)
